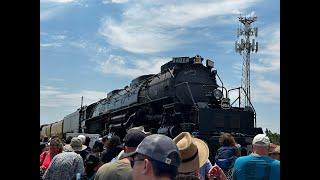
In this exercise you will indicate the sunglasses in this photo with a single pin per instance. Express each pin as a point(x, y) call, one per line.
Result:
point(134, 160)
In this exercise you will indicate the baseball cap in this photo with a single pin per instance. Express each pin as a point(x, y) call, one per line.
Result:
point(261, 140)
point(134, 138)
point(82, 137)
point(160, 148)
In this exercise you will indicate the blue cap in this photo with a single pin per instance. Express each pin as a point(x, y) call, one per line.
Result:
point(159, 147)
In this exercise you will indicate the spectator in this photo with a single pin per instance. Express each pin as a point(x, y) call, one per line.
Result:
point(194, 154)
point(77, 147)
point(42, 147)
point(275, 154)
point(91, 164)
point(46, 157)
point(141, 129)
point(238, 146)
point(156, 157)
point(227, 154)
point(85, 152)
point(121, 169)
point(87, 142)
point(68, 140)
point(45, 139)
point(272, 147)
point(64, 166)
point(113, 148)
point(83, 138)
point(105, 141)
point(257, 165)
point(97, 148)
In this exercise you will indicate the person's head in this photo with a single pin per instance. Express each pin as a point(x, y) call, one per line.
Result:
point(83, 138)
point(238, 146)
point(75, 145)
point(42, 146)
point(87, 141)
point(156, 156)
point(260, 144)
point(97, 146)
point(275, 154)
point(105, 140)
point(226, 139)
point(68, 140)
point(114, 142)
point(132, 140)
point(45, 139)
point(272, 147)
point(55, 146)
point(92, 163)
point(193, 151)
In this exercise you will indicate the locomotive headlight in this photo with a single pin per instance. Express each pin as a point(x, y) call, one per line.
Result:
point(217, 94)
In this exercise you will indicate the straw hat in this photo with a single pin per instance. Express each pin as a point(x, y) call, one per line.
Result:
point(193, 151)
point(75, 145)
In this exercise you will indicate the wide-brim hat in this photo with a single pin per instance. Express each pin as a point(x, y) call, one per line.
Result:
point(193, 151)
point(75, 145)
point(68, 147)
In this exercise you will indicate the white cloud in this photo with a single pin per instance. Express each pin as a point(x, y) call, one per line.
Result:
point(137, 39)
point(52, 8)
point(56, 97)
point(149, 27)
point(266, 91)
point(57, 1)
point(48, 13)
point(118, 65)
point(58, 37)
point(48, 40)
point(56, 103)
point(114, 1)
point(50, 44)
point(269, 54)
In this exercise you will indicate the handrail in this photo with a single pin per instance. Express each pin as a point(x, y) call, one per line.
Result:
point(246, 95)
point(222, 84)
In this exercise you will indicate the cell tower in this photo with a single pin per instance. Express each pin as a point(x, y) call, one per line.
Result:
point(244, 47)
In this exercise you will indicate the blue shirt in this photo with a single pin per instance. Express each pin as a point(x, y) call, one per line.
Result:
point(256, 167)
point(205, 169)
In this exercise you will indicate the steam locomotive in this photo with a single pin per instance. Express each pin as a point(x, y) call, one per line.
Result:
point(184, 96)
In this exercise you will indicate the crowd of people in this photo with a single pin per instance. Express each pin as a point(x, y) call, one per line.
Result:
point(142, 155)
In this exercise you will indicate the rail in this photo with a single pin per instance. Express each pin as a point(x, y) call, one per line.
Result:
point(239, 98)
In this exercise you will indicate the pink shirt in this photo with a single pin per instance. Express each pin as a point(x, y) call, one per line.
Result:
point(45, 159)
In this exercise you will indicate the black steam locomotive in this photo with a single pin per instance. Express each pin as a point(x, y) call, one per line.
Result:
point(184, 96)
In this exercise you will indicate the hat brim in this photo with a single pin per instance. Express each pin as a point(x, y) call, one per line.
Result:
point(125, 155)
point(68, 147)
point(198, 161)
point(262, 144)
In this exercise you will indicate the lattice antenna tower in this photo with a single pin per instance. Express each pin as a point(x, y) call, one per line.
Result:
point(244, 46)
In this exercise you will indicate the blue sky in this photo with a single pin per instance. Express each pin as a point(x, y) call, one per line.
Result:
point(90, 47)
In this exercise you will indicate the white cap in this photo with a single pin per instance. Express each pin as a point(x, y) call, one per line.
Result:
point(83, 138)
point(261, 140)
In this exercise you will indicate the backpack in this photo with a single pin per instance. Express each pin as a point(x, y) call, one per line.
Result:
point(226, 157)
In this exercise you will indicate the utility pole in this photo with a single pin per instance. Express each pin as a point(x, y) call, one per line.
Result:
point(244, 47)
